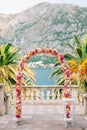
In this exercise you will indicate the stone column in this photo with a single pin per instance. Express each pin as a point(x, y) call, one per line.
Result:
point(85, 102)
point(75, 94)
point(2, 106)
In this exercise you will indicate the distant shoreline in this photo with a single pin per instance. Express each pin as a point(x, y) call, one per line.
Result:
point(40, 65)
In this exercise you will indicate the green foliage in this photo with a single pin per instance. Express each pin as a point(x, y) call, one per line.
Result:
point(79, 55)
point(9, 60)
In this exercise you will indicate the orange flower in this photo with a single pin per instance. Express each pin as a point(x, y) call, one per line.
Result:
point(73, 69)
point(83, 68)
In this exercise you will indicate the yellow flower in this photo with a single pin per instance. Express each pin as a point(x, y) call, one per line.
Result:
point(72, 62)
point(85, 62)
point(73, 66)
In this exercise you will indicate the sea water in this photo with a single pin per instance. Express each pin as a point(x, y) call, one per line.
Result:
point(42, 76)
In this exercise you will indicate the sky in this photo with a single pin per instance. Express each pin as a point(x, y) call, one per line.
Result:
point(16, 6)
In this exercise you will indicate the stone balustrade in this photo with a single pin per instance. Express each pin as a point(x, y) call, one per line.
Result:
point(50, 94)
point(47, 93)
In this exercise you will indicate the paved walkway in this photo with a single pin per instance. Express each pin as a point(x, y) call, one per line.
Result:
point(42, 117)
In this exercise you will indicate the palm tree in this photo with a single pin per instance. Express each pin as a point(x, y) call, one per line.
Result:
point(77, 62)
point(9, 60)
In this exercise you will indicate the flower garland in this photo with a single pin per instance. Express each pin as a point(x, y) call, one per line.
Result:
point(66, 71)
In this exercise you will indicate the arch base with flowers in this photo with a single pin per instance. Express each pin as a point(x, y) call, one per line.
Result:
point(66, 71)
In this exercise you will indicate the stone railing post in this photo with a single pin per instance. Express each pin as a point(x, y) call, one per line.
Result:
point(75, 93)
point(85, 102)
point(6, 102)
point(2, 106)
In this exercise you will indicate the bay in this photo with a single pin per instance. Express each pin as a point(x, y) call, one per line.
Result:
point(42, 76)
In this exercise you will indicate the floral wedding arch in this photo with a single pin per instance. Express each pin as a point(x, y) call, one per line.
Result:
point(66, 71)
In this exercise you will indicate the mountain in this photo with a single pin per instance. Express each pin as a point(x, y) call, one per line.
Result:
point(44, 25)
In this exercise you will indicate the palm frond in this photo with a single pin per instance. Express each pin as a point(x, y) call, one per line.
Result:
point(30, 74)
point(79, 52)
point(2, 49)
point(86, 48)
point(57, 63)
point(60, 80)
point(7, 47)
point(78, 41)
point(70, 46)
point(55, 72)
point(1, 60)
point(68, 56)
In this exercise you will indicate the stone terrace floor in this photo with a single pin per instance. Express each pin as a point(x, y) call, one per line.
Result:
point(42, 117)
